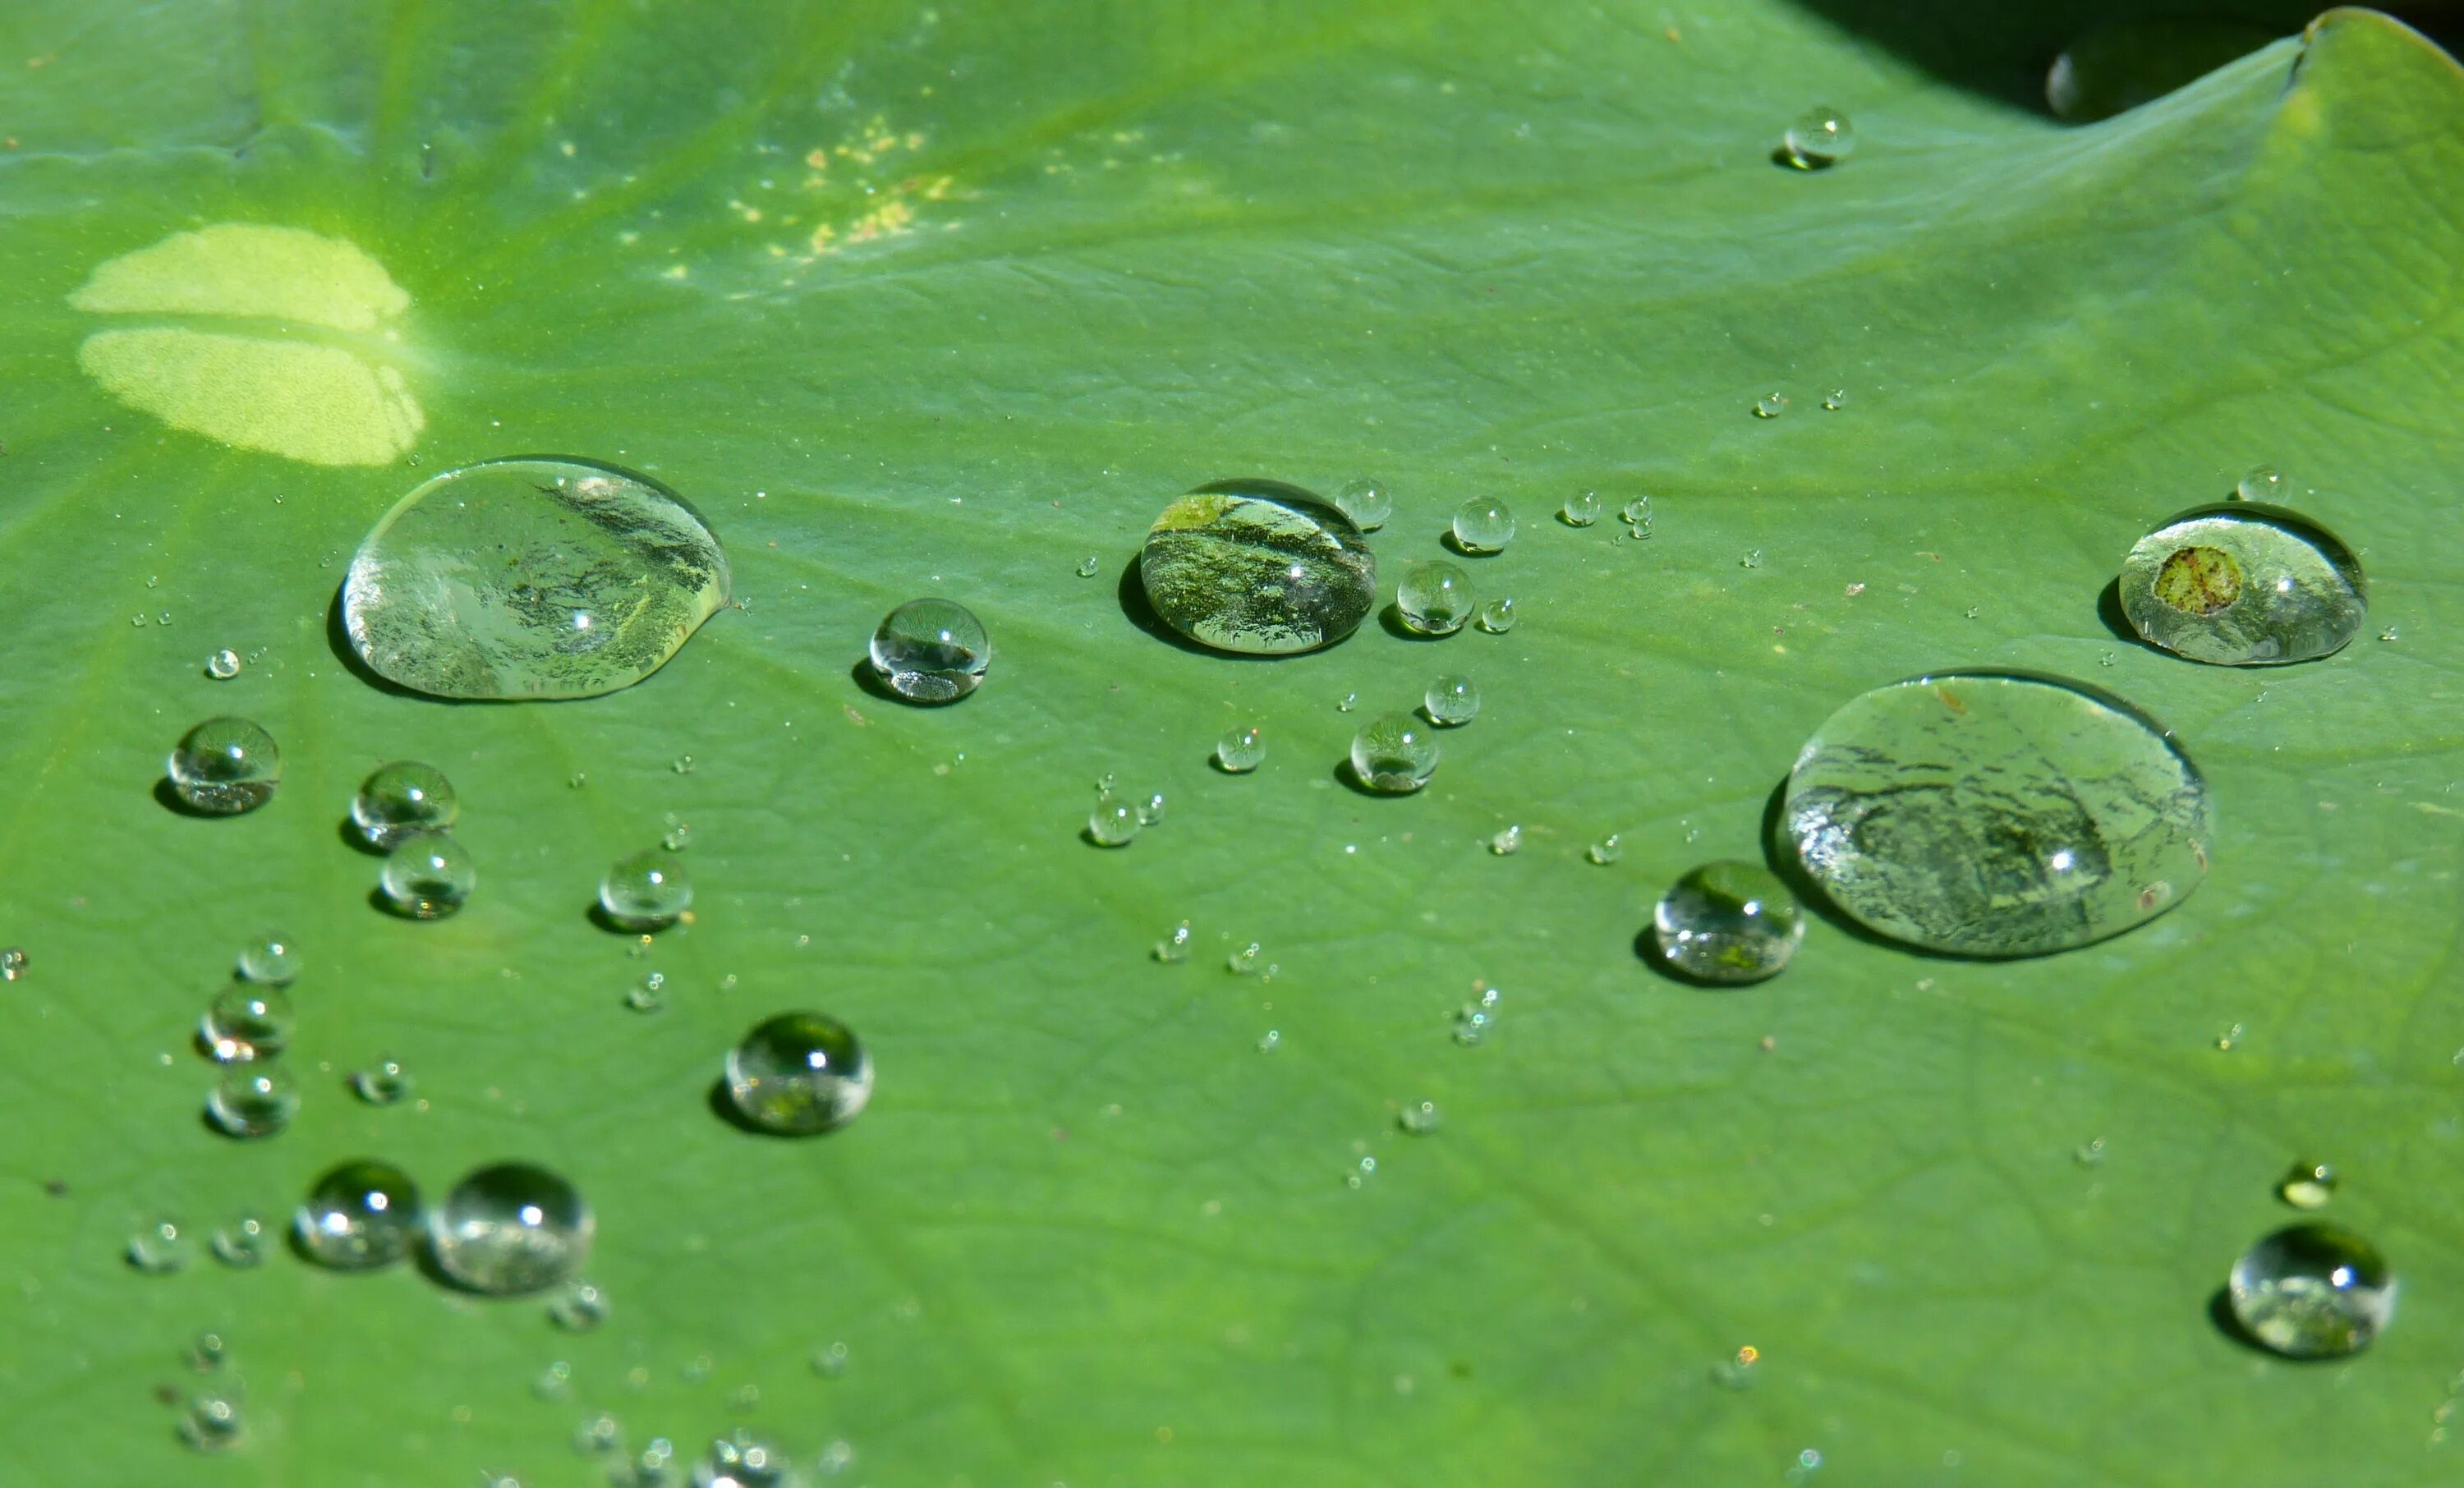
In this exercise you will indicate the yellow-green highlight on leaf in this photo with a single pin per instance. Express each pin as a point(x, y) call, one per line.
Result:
point(248, 269)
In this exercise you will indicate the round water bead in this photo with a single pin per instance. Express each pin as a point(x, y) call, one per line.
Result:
point(1822, 136)
point(1257, 567)
point(2261, 483)
point(1114, 822)
point(254, 1100)
point(224, 765)
point(645, 891)
point(211, 1423)
point(384, 1082)
point(2241, 584)
point(531, 578)
point(158, 1248)
point(1997, 814)
point(223, 664)
point(800, 1073)
point(2313, 1291)
point(1435, 598)
point(361, 1214)
point(1452, 700)
point(1497, 616)
point(577, 1307)
point(1395, 755)
point(1483, 526)
point(245, 1023)
point(510, 1228)
point(1581, 508)
point(931, 652)
point(242, 1244)
point(1367, 502)
point(270, 960)
point(2307, 1184)
point(1728, 923)
point(404, 797)
point(1241, 750)
point(428, 875)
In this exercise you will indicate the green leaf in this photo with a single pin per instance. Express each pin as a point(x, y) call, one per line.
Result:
point(941, 300)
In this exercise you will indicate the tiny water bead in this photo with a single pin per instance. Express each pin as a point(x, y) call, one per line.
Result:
point(2307, 1184)
point(159, 1247)
point(384, 1083)
point(270, 960)
point(577, 1307)
point(223, 664)
point(1395, 755)
point(1151, 810)
point(1347, 703)
point(427, 876)
point(1452, 701)
point(1259, 568)
point(254, 1100)
point(648, 891)
point(1369, 503)
point(211, 1423)
point(1497, 616)
point(1607, 850)
point(1420, 1119)
point(1728, 923)
point(13, 963)
point(1114, 822)
point(245, 1023)
point(1174, 948)
point(2261, 483)
point(1483, 525)
point(510, 1228)
point(1434, 599)
point(931, 652)
point(224, 765)
point(2313, 1291)
point(800, 1074)
point(359, 1215)
point(1997, 814)
point(1241, 750)
point(1244, 960)
point(531, 578)
point(206, 1351)
point(1507, 841)
point(401, 798)
point(1581, 508)
point(1088, 565)
point(649, 995)
point(2241, 584)
point(1769, 406)
point(1637, 515)
point(1821, 137)
point(243, 1243)
point(1835, 400)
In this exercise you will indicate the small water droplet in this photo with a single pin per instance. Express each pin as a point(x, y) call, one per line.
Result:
point(677, 837)
point(510, 1228)
point(835, 1458)
point(1086, 567)
point(2313, 1291)
point(1360, 1173)
point(359, 1215)
point(270, 960)
point(2390, 634)
point(2261, 483)
point(153, 581)
point(1807, 1462)
point(1270, 1041)
point(224, 765)
point(1420, 1118)
point(13, 963)
point(555, 1382)
point(244, 1022)
point(1151, 810)
point(1769, 406)
point(243, 1243)
point(598, 1433)
point(2108, 658)
point(1737, 1372)
point(1484, 525)
point(1451, 701)
point(1497, 616)
point(931, 652)
point(577, 1307)
point(2235, 584)
point(2307, 1184)
point(206, 1352)
point(254, 1100)
point(211, 1423)
point(1347, 702)
point(577, 780)
point(2089, 1153)
point(1581, 508)
point(1257, 567)
point(2229, 1039)
point(160, 1248)
point(1753, 559)
point(223, 664)
point(649, 994)
point(1507, 842)
point(1174, 948)
point(1435, 598)
point(427, 876)
point(1114, 822)
point(1821, 137)
point(1975, 610)
point(1367, 502)
point(830, 1360)
point(1395, 755)
point(648, 891)
point(1728, 923)
point(1835, 400)
point(1607, 850)
point(683, 764)
point(1243, 962)
point(1242, 749)
point(800, 1074)
point(384, 1083)
point(1637, 514)
point(162, 619)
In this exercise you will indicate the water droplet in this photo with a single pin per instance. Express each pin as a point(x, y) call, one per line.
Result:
point(1270, 1041)
point(742, 1459)
point(1822, 136)
point(1257, 567)
point(2228, 1039)
point(1807, 1462)
point(1607, 850)
point(1975, 610)
point(1434, 599)
point(1997, 814)
point(2313, 1291)
point(1114, 822)
point(211, 1423)
point(645, 891)
point(2089, 1153)
point(254, 1100)
point(1174, 948)
point(2261, 483)
point(2390, 634)
point(13, 963)
point(1347, 703)
point(1483, 525)
point(206, 1352)
point(1151, 810)
point(1637, 514)
point(1452, 700)
point(158, 1248)
point(1497, 616)
point(800, 1073)
point(1420, 1119)
point(1769, 406)
point(270, 960)
point(2108, 657)
point(654, 1467)
point(1361, 1173)
point(162, 619)
point(2307, 1184)
point(1581, 508)
point(224, 765)
point(1088, 565)
point(401, 798)
point(243, 1243)
point(931, 652)
point(831, 1361)
point(577, 1307)
point(1395, 755)
point(427, 876)
point(1728, 923)
point(359, 1214)
point(600, 1433)
point(223, 664)
point(594, 578)
point(153, 581)
point(649, 994)
point(835, 1458)
point(677, 837)
point(1367, 502)
point(1242, 749)
point(1752, 559)
point(1507, 842)
point(1243, 962)
point(245, 1023)
point(510, 1228)
point(384, 1083)
point(1835, 400)
point(2240, 584)
point(555, 1382)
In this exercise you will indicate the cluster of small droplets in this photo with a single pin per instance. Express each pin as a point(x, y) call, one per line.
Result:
point(1636, 516)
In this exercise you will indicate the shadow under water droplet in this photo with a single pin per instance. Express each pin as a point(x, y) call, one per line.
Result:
point(352, 837)
point(1391, 619)
point(2108, 609)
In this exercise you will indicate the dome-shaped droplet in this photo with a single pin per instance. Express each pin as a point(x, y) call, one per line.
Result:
point(1997, 814)
point(2243, 584)
point(1257, 567)
point(403, 798)
point(1497, 616)
point(2313, 1291)
point(270, 960)
point(384, 1083)
point(1369, 503)
point(800, 1073)
point(1434, 599)
point(428, 875)
point(645, 891)
point(247, 1022)
point(1241, 750)
point(1581, 508)
point(1114, 822)
point(254, 1100)
point(361, 1214)
point(223, 664)
point(1484, 525)
point(931, 650)
point(1452, 701)
point(510, 1228)
point(224, 765)
point(535, 577)
point(1395, 755)
point(1728, 923)
point(1822, 136)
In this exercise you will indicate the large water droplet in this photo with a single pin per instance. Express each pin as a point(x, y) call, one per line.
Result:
point(539, 577)
point(254, 1100)
point(427, 876)
point(1395, 755)
point(1257, 567)
point(800, 1073)
point(1822, 136)
point(1452, 701)
point(1997, 814)
point(1434, 599)
point(931, 652)
point(1369, 503)
point(1728, 923)
point(361, 1214)
point(245, 1023)
point(1484, 525)
point(2313, 1291)
point(403, 798)
point(645, 891)
point(224, 765)
point(510, 1228)
point(1241, 750)
point(2242, 583)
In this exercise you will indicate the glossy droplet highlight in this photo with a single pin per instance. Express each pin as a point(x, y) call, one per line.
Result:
point(800, 1074)
point(2307, 1184)
point(645, 891)
point(223, 664)
point(931, 652)
point(1395, 755)
point(384, 1083)
point(2261, 483)
point(2313, 1291)
point(577, 1307)
point(359, 1215)
point(159, 1247)
point(1241, 750)
point(1434, 599)
point(224, 765)
point(1114, 822)
point(1507, 841)
point(254, 1100)
point(2242, 583)
point(1367, 502)
point(1451, 701)
point(211, 1423)
point(1484, 525)
point(1997, 814)
point(1174, 948)
point(1728, 923)
point(401, 798)
point(427, 876)
point(510, 1228)
point(243, 1243)
point(244, 1022)
point(270, 960)
point(1497, 616)
point(1581, 508)
point(1257, 567)
point(1822, 136)
point(530, 579)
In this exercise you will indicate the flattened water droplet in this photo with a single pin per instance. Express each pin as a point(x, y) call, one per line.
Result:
point(800, 1074)
point(648, 891)
point(1484, 525)
point(401, 798)
point(243, 1243)
point(1367, 502)
point(1420, 1119)
point(1497, 616)
point(358, 1215)
point(1452, 700)
point(384, 1083)
point(577, 1307)
point(254, 1100)
point(1997, 814)
point(1822, 136)
point(1728, 923)
point(1435, 598)
point(270, 960)
point(931, 652)
point(245, 1023)
point(2313, 1291)
point(510, 1228)
point(1581, 508)
point(223, 664)
point(427, 876)
point(2240, 584)
point(224, 765)
point(546, 578)
point(1395, 755)
point(2307, 1184)
point(1257, 567)
point(158, 1248)
point(1242, 749)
